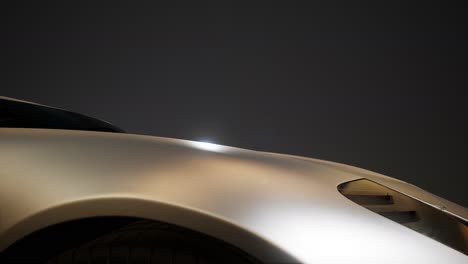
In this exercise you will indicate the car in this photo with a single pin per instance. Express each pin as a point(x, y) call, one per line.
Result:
point(75, 189)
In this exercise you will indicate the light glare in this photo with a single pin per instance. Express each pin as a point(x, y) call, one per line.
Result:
point(207, 146)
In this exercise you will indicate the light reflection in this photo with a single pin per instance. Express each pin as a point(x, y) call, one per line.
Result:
point(317, 234)
point(206, 145)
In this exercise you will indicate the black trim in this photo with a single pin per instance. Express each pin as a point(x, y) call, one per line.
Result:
point(28, 115)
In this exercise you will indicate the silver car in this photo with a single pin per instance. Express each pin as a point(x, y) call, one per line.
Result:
point(74, 189)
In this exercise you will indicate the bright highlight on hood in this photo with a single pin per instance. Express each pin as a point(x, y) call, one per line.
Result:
point(207, 146)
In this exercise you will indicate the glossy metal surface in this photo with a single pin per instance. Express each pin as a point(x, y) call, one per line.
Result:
point(275, 207)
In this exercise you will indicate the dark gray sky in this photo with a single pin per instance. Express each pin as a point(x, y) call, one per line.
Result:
point(379, 87)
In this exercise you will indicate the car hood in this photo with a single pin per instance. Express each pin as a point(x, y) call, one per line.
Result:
point(290, 201)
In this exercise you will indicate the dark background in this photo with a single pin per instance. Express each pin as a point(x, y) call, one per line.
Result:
point(376, 86)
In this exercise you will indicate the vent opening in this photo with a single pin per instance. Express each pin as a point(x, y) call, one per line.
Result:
point(407, 211)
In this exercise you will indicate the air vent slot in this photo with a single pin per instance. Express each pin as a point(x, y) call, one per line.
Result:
point(409, 212)
point(401, 217)
point(371, 199)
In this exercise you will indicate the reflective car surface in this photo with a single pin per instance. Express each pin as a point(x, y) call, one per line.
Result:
point(73, 196)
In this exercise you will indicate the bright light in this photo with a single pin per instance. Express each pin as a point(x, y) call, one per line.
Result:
point(207, 146)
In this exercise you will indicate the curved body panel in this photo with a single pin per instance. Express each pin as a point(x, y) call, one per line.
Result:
point(278, 208)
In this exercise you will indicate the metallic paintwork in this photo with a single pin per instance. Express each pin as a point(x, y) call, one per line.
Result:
point(275, 207)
